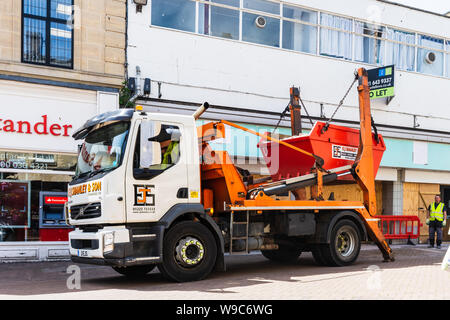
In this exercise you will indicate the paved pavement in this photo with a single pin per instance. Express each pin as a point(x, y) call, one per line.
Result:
point(415, 274)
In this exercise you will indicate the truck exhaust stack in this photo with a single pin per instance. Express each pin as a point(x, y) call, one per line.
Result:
point(197, 114)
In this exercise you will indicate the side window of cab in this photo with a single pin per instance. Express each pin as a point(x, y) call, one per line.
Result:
point(167, 141)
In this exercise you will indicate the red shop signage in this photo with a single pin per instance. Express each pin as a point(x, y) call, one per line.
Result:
point(55, 200)
point(43, 127)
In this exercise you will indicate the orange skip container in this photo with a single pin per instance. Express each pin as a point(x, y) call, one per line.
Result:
point(337, 146)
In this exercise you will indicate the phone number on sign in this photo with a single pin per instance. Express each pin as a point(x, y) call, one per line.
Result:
point(22, 165)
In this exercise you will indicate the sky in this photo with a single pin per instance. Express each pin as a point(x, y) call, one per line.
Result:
point(438, 6)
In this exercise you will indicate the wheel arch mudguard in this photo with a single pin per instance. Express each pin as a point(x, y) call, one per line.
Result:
point(346, 214)
point(351, 215)
point(186, 210)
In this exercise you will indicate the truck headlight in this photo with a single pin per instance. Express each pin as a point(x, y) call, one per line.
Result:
point(66, 213)
point(108, 242)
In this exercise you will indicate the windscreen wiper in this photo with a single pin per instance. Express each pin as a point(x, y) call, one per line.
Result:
point(93, 173)
point(81, 175)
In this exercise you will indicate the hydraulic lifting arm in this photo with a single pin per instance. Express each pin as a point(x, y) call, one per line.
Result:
point(362, 169)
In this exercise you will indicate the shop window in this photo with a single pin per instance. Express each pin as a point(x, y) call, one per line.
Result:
point(37, 162)
point(47, 35)
point(20, 209)
point(219, 21)
point(169, 142)
point(14, 208)
point(24, 178)
point(402, 55)
point(298, 36)
point(174, 14)
point(335, 43)
point(429, 60)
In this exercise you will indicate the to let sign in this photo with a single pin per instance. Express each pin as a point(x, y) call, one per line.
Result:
point(381, 82)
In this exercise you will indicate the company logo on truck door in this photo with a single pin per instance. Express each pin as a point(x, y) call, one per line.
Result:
point(344, 152)
point(144, 198)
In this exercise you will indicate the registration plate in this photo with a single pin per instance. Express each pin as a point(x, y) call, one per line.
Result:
point(83, 253)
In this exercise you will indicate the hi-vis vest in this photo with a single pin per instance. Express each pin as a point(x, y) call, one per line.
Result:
point(437, 212)
point(172, 153)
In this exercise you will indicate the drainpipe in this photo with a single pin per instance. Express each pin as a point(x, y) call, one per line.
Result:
point(138, 86)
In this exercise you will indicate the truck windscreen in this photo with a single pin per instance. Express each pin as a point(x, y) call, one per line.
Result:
point(102, 149)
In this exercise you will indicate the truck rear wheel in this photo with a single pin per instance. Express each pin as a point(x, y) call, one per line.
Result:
point(189, 252)
point(134, 271)
point(344, 246)
point(284, 254)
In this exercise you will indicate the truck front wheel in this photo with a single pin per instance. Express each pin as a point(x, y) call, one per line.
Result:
point(189, 252)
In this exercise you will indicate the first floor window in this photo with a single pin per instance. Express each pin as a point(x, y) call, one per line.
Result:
point(261, 29)
point(219, 21)
point(448, 59)
point(429, 60)
point(402, 55)
point(175, 14)
point(299, 36)
point(335, 43)
point(47, 34)
point(369, 48)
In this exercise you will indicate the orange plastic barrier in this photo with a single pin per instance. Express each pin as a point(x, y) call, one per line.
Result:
point(400, 227)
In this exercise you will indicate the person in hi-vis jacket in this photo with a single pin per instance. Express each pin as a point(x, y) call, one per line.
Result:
point(436, 220)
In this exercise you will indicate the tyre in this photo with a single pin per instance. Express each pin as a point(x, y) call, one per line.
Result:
point(189, 252)
point(344, 246)
point(285, 254)
point(317, 255)
point(134, 271)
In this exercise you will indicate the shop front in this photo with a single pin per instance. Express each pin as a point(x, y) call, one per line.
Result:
point(37, 160)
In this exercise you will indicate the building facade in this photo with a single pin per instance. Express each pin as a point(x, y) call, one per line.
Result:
point(61, 63)
point(242, 56)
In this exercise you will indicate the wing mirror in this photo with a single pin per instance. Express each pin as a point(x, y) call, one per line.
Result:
point(150, 151)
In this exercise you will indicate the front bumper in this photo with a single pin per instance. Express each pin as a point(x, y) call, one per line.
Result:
point(91, 244)
point(130, 246)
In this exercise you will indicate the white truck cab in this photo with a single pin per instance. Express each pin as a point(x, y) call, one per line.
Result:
point(136, 173)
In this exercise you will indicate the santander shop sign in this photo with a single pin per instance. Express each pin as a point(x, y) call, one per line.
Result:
point(38, 132)
point(41, 127)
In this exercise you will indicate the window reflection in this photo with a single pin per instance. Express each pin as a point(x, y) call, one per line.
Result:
point(369, 49)
point(263, 5)
point(219, 22)
point(34, 40)
point(298, 36)
point(36, 161)
point(61, 9)
point(175, 14)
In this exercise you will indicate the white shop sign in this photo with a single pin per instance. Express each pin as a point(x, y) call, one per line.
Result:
point(43, 118)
